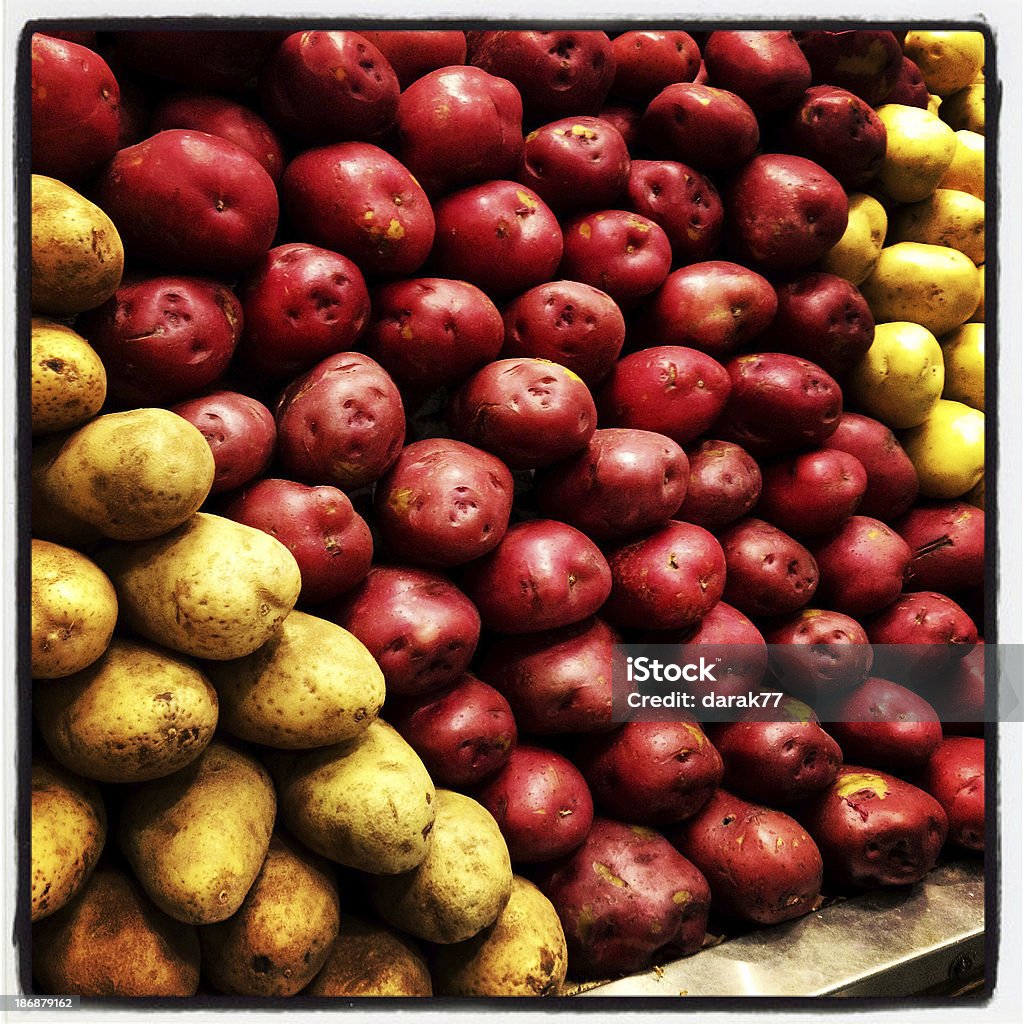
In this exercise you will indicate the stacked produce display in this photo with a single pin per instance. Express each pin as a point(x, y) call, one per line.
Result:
point(382, 383)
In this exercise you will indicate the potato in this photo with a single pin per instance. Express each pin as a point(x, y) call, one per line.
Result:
point(77, 256)
point(74, 611)
point(370, 959)
point(282, 933)
point(135, 714)
point(931, 285)
point(949, 61)
point(69, 382)
point(212, 588)
point(854, 256)
point(69, 828)
point(132, 475)
point(310, 685)
point(978, 316)
point(368, 803)
point(948, 450)
point(460, 887)
point(963, 353)
point(918, 153)
point(965, 110)
point(112, 941)
point(967, 171)
point(197, 839)
point(50, 521)
point(947, 217)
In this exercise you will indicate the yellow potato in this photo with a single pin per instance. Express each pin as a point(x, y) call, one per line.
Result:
point(74, 611)
point(900, 378)
point(965, 110)
point(77, 256)
point(948, 61)
point(919, 150)
point(212, 588)
point(948, 450)
point(963, 353)
point(198, 838)
point(947, 217)
point(311, 685)
point(69, 383)
point(522, 954)
point(112, 941)
point(69, 828)
point(967, 171)
point(854, 256)
point(934, 103)
point(931, 285)
point(138, 713)
point(283, 931)
point(978, 316)
point(50, 521)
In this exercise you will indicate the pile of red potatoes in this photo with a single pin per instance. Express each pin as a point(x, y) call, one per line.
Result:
point(525, 344)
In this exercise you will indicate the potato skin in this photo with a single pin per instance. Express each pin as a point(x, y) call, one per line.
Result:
point(197, 839)
point(69, 828)
point(113, 942)
point(69, 382)
point(135, 714)
point(310, 685)
point(368, 803)
point(460, 887)
point(282, 933)
point(212, 588)
point(74, 611)
point(522, 954)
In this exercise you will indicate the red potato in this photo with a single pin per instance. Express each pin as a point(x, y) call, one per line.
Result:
point(958, 694)
point(955, 776)
point(217, 115)
point(625, 481)
point(76, 111)
point(626, 120)
point(892, 480)
point(948, 544)
point(329, 87)
point(415, 53)
point(420, 628)
point(667, 389)
point(460, 125)
point(302, 304)
point(342, 422)
point(767, 69)
point(874, 829)
point(330, 541)
point(779, 403)
point(683, 202)
point(667, 579)
point(443, 503)
point(559, 681)
point(240, 431)
point(541, 804)
point(576, 163)
point(838, 131)
point(812, 493)
point(190, 201)
point(865, 62)
point(909, 89)
point(862, 567)
point(724, 485)
point(463, 733)
point(651, 773)
point(930, 629)
point(714, 306)
point(358, 200)
point(760, 864)
point(648, 61)
point(544, 574)
point(776, 763)
point(429, 331)
point(500, 236)
point(625, 897)
point(881, 724)
point(164, 338)
point(737, 649)
point(700, 126)
point(767, 571)
point(528, 412)
point(568, 322)
point(561, 73)
point(784, 212)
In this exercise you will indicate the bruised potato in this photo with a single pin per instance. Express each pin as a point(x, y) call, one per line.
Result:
point(74, 611)
point(136, 714)
point(69, 382)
